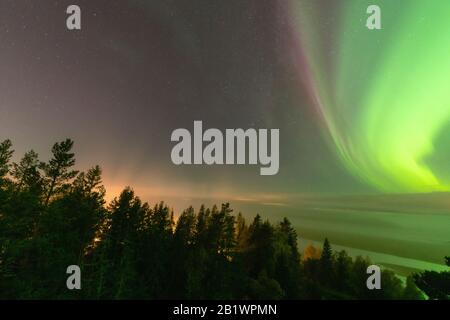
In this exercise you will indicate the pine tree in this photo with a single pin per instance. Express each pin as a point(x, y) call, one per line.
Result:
point(185, 227)
point(26, 172)
point(58, 171)
point(290, 235)
point(261, 252)
point(326, 263)
point(342, 271)
point(5, 156)
point(202, 226)
point(242, 233)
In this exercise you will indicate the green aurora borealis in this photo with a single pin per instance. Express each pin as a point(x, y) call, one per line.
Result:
point(384, 97)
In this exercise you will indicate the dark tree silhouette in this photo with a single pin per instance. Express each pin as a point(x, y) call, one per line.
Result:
point(326, 263)
point(5, 156)
point(436, 285)
point(58, 170)
point(51, 217)
point(26, 172)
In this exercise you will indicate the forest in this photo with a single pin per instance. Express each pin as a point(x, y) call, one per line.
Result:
point(53, 216)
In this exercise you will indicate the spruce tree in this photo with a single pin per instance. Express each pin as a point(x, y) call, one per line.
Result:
point(326, 263)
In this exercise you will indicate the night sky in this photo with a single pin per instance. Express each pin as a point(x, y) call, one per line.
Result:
point(138, 70)
point(360, 111)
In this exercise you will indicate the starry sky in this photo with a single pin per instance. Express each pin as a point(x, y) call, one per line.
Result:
point(364, 115)
point(138, 70)
point(359, 111)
